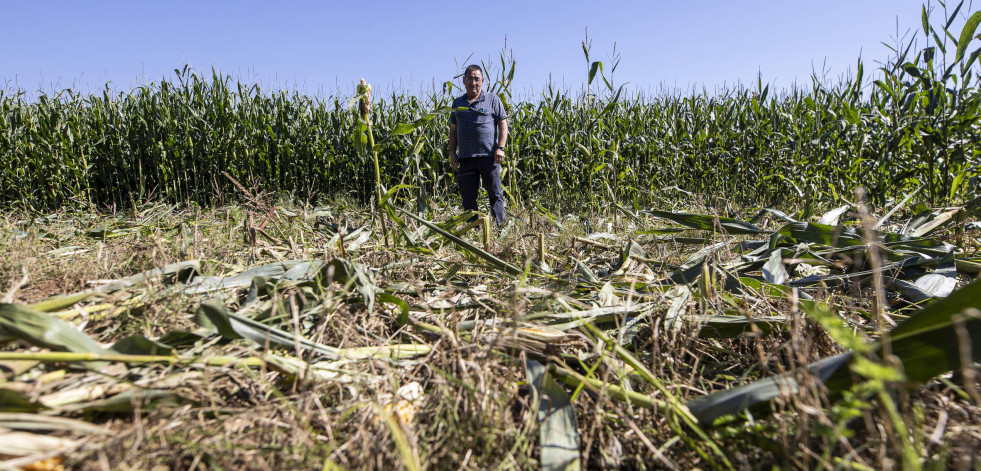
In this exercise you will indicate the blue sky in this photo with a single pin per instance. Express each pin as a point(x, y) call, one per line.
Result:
point(325, 47)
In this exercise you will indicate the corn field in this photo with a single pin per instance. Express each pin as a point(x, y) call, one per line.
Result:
point(914, 124)
point(708, 303)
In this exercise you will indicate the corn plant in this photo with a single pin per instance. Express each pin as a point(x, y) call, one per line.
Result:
point(916, 123)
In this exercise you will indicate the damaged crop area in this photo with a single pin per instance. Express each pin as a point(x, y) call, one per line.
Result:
point(293, 337)
point(202, 273)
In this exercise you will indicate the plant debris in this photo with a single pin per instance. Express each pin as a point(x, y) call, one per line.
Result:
point(297, 349)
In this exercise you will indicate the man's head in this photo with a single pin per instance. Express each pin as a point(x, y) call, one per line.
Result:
point(473, 79)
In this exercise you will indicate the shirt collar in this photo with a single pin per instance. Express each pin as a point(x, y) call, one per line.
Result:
point(479, 99)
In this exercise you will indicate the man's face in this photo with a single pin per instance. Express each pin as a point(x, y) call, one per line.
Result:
point(472, 81)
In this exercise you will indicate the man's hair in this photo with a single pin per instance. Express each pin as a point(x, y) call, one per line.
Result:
point(471, 68)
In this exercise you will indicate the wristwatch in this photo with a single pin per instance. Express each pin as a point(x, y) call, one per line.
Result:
point(498, 147)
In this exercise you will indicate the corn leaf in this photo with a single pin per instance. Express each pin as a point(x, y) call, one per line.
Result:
point(494, 261)
point(708, 223)
point(967, 34)
point(43, 330)
point(926, 343)
point(558, 435)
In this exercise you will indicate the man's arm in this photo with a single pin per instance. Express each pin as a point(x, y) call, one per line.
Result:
point(454, 161)
point(502, 140)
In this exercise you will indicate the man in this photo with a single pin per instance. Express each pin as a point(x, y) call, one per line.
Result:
point(477, 139)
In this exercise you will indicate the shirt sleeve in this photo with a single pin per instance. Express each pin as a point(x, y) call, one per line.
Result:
point(499, 114)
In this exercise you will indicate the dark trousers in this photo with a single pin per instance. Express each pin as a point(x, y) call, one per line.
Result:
point(474, 170)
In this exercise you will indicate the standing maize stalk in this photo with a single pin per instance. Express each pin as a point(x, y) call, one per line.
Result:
point(364, 108)
point(485, 223)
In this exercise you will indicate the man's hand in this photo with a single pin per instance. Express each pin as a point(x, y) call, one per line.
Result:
point(499, 155)
point(454, 162)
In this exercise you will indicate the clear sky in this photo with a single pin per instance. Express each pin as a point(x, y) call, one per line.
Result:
point(325, 47)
